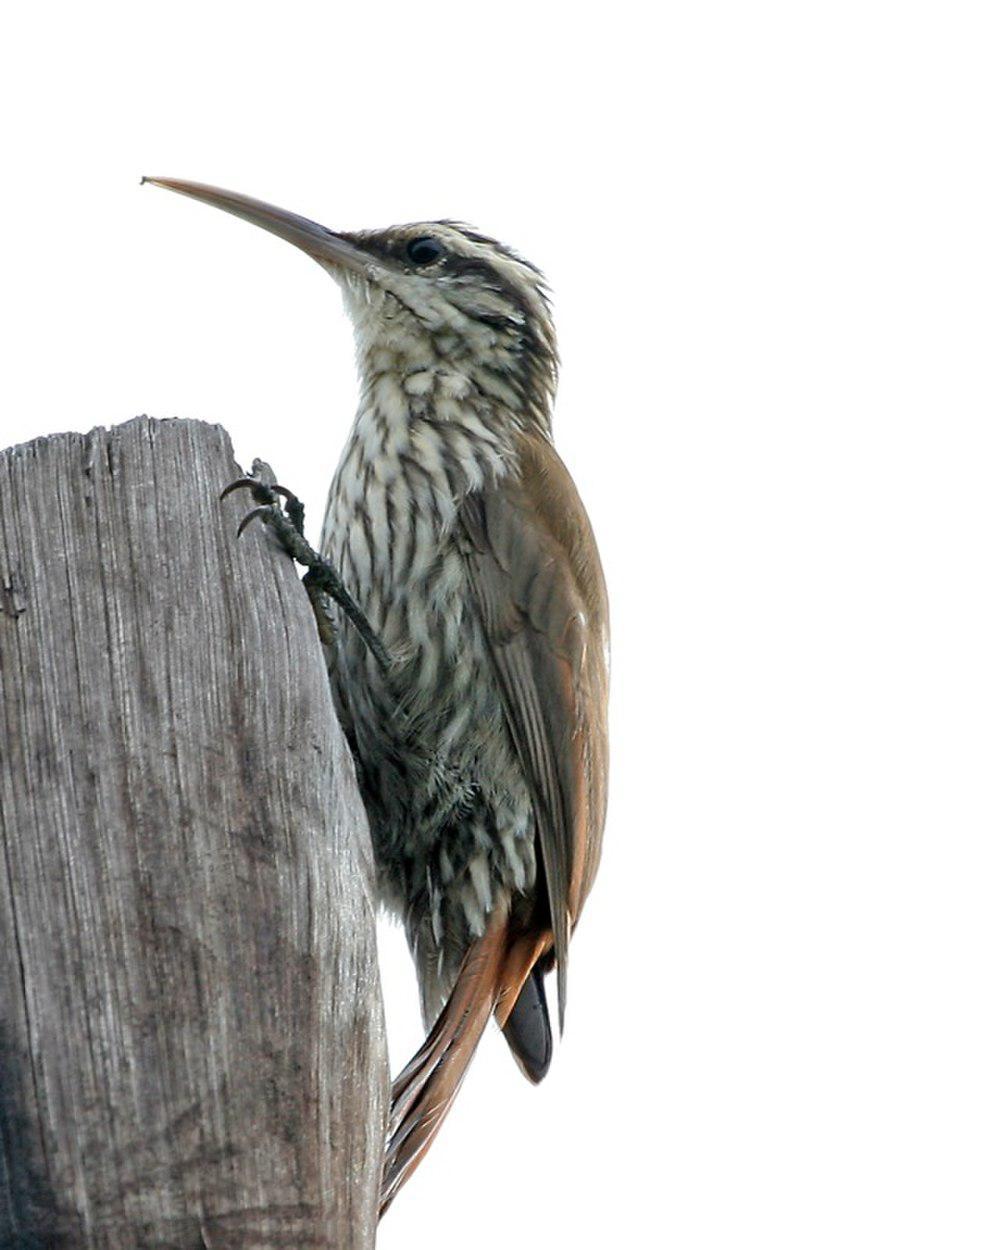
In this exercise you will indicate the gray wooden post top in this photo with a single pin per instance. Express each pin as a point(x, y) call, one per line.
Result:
point(192, 1048)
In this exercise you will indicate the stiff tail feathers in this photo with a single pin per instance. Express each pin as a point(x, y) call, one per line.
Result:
point(498, 976)
point(423, 1092)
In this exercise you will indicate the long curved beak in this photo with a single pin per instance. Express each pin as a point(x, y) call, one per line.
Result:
point(329, 249)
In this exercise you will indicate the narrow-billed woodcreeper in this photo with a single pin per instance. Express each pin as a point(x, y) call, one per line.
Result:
point(476, 707)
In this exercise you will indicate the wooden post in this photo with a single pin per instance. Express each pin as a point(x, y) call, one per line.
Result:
point(192, 1048)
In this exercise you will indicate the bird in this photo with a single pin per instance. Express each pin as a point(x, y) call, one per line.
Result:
point(474, 692)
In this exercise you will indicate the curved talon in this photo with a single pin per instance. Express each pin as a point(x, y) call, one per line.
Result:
point(287, 521)
point(295, 509)
point(261, 493)
point(264, 511)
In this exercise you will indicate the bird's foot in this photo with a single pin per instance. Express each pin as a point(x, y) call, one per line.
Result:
point(283, 513)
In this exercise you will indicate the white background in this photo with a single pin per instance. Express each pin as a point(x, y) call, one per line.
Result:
point(772, 234)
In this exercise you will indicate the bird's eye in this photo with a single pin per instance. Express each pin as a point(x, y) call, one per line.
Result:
point(424, 251)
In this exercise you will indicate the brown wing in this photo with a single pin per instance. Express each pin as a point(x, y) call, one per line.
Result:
point(537, 581)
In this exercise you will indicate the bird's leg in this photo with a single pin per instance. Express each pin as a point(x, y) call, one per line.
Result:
point(287, 520)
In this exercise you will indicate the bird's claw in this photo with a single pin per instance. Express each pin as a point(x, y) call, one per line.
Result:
point(288, 523)
point(295, 509)
point(268, 498)
point(263, 512)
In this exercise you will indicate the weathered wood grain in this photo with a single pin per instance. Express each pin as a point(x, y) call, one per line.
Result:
point(191, 1038)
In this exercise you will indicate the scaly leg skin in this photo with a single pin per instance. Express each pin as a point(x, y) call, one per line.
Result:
point(288, 521)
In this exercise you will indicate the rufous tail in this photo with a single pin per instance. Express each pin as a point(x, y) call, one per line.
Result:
point(492, 975)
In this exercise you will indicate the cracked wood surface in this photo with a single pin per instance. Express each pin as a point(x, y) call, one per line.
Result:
point(192, 1047)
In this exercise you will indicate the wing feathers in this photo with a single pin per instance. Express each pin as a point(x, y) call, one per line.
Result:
point(536, 578)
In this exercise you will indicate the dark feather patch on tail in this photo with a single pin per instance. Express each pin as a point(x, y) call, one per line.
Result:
point(528, 1031)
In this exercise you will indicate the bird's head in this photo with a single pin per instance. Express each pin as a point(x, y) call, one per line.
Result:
point(431, 294)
